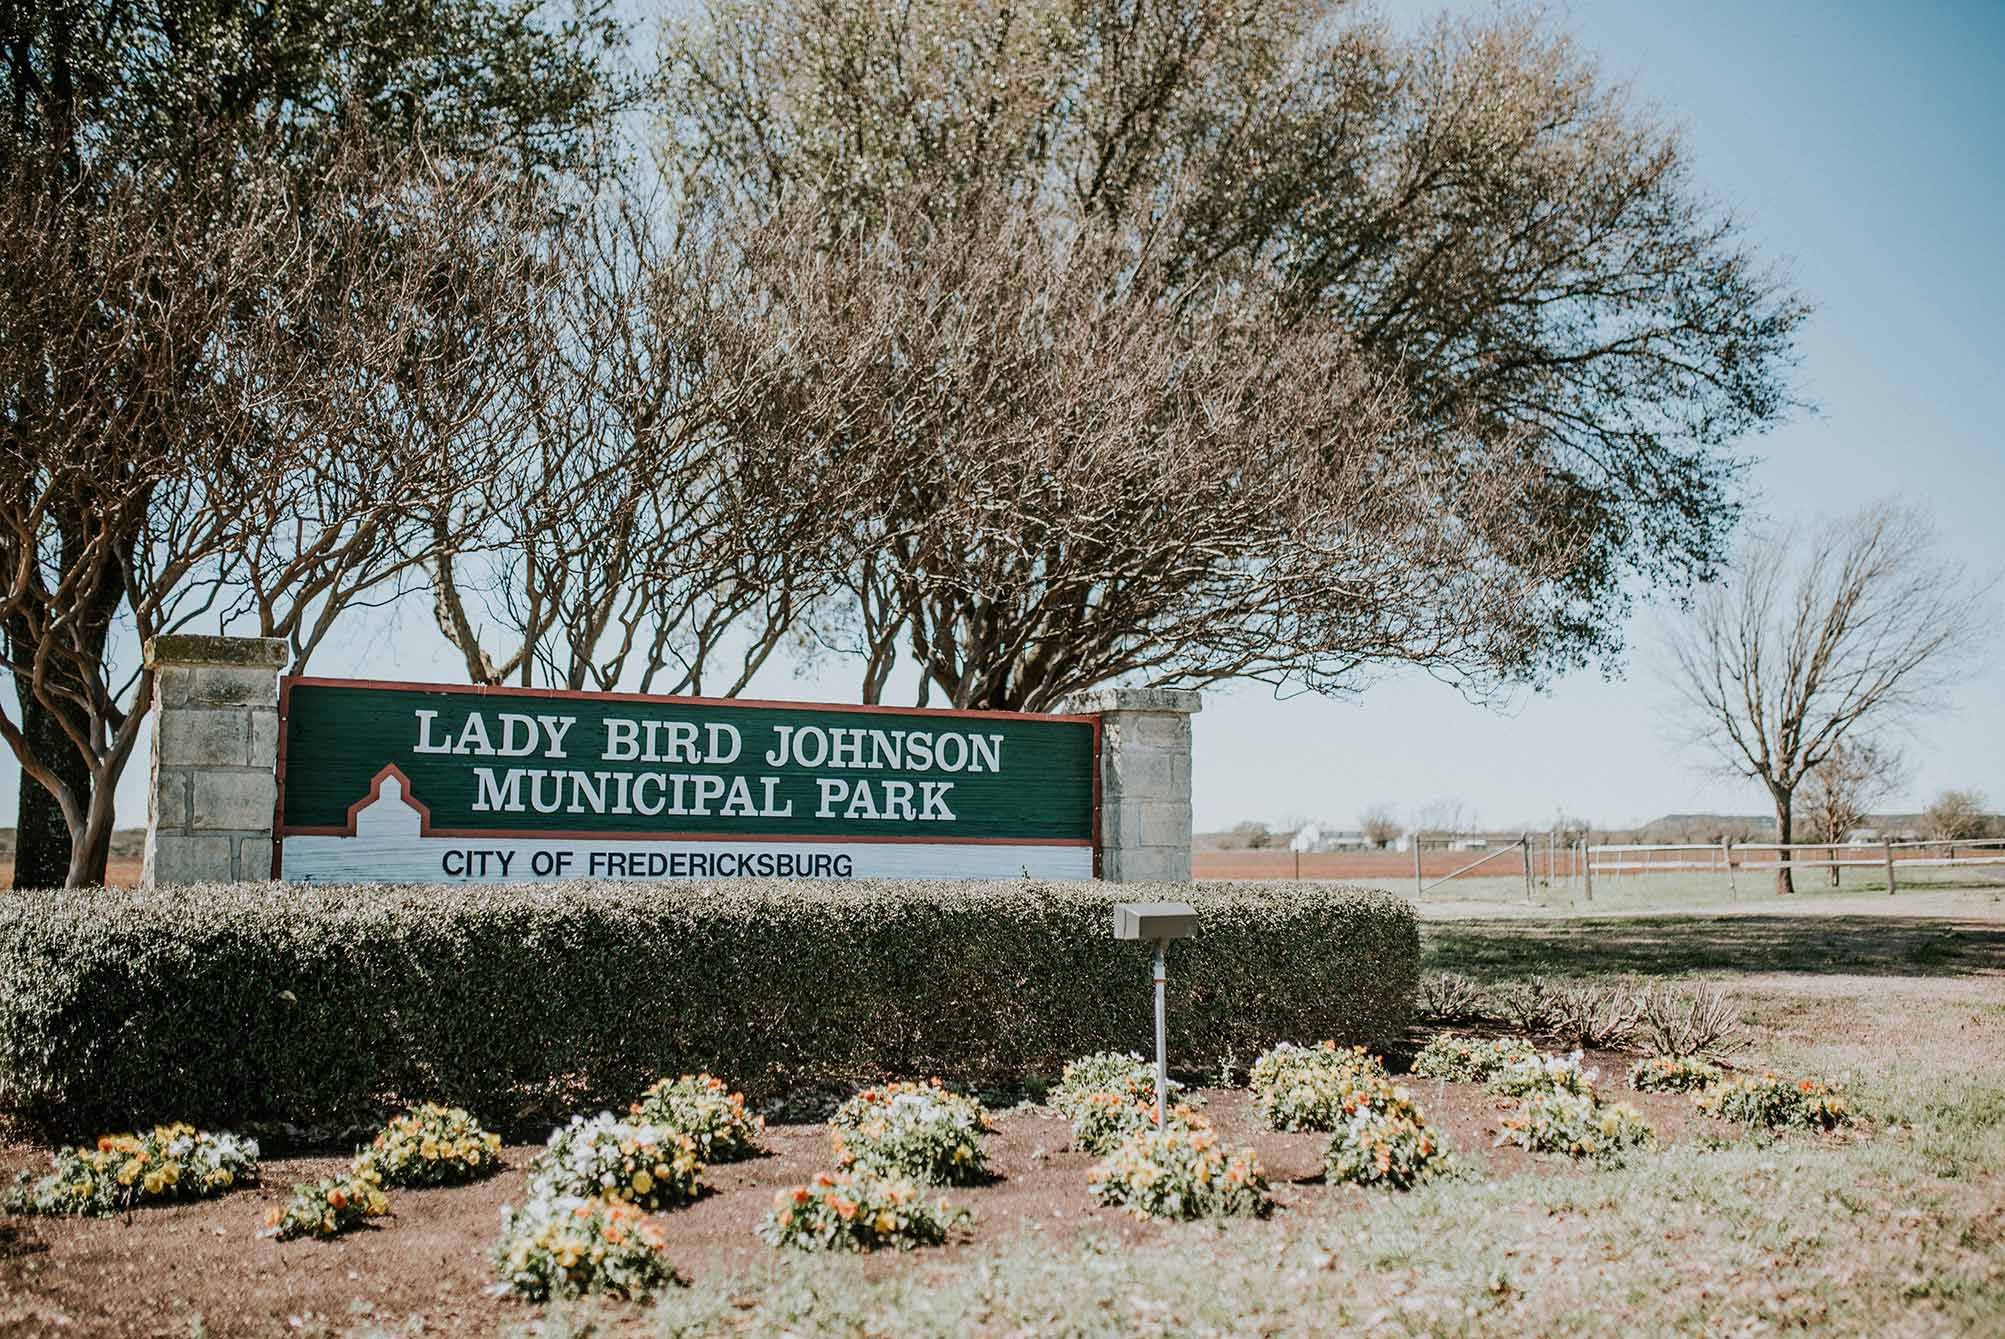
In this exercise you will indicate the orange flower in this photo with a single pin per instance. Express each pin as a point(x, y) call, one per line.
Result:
point(801, 1195)
point(845, 1209)
point(336, 1198)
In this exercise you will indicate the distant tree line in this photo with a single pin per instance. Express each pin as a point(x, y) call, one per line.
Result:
point(1030, 346)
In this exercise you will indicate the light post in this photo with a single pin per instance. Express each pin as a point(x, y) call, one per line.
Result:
point(1157, 923)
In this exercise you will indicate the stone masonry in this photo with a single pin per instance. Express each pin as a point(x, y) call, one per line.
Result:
point(215, 759)
point(1145, 742)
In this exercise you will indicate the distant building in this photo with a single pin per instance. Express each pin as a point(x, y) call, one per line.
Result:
point(1316, 837)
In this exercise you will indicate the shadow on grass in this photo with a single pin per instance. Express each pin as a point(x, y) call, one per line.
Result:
point(1655, 945)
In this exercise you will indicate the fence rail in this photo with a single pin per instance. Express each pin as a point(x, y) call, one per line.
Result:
point(1729, 857)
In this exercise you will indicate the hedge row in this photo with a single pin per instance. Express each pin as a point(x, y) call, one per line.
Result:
point(265, 1004)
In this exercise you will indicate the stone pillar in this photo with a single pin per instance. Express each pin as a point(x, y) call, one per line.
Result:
point(215, 759)
point(1144, 781)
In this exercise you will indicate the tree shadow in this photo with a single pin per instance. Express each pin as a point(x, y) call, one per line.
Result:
point(1664, 945)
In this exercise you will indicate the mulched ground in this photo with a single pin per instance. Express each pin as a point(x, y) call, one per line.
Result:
point(152, 1272)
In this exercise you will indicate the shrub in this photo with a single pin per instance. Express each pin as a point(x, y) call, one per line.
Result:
point(124, 1171)
point(1769, 1101)
point(1527, 1005)
point(1307, 1087)
point(614, 1159)
point(1470, 1059)
point(1543, 1074)
point(1383, 1140)
point(1122, 1073)
point(236, 1003)
point(1590, 1015)
point(569, 1245)
point(432, 1145)
point(1558, 1121)
point(1182, 1171)
point(704, 1108)
point(1673, 1074)
point(1448, 998)
point(1107, 1119)
point(330, 1207)
point(1701, 1021)
point(857, 1211)
point(919, 1130)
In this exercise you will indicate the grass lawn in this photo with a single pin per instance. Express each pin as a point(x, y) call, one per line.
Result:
point(1894, 1228)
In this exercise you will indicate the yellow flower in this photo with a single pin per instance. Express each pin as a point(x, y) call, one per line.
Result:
point(643, 1183)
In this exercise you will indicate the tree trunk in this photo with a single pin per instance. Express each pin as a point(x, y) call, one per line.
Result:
point(42, 845)
point(1784, 885)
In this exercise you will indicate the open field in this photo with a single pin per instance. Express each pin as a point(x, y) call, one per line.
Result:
point(1897, 1227)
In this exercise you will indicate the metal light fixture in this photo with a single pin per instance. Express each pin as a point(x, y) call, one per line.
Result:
point(1157, 923)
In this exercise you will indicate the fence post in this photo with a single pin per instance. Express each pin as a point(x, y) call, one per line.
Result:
point(1726, 850)
point(1887, 849)
point(1587, 867)
point(1525, 846)
point(1416, 864)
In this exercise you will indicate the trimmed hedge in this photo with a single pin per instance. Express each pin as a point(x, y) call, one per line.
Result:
point(311, 1006)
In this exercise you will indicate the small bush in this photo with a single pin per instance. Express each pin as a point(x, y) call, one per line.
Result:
point(858, 1211)
point(1557, 1121)
point(1589, 1015)
point(1122, 1073)
point(432, 1145)
point(1544, 1074)
point(614, 1159)
point(704, 1108)
point(1307, 1087)
point(1448, 998)
point(1770, 1101)
point(1383, 1140)
point(1673, 1074)
point(569, 1245)
point(1107, 1119)
point(1182, 1171)
point(124, 1171)
point(1701, 1021)
point(233, 1004)
point(918, 1131)
point(1470, 1059)
point(1527, 1005)
point(331, 1207)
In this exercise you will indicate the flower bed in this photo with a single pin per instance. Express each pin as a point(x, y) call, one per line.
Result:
point(618, 1160)
point(1771, 1101)
point(1470, 1059)
point(1182, 1171)
point(1543, 1074)
point(703, 1107)
point(915, 1130)
point(857, 1211)
point(1575, 1124)
point(124, 1171)
point(568, 1245)
point(1383, 1140)
point(1308, 1087)
point(1674, 1074)
point(432, 1145)
point(331, 1207)
point(1122, 1073)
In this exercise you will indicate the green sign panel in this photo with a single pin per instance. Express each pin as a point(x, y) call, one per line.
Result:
point(407, 781)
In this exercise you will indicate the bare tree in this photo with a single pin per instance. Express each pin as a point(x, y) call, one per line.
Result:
point(1955, 815)
point(1381, 826)
point(226, 424)
point(1823, 634)
point(1057, 479)
point(1481, 252)
point(1445, 817)
point(1846, 784)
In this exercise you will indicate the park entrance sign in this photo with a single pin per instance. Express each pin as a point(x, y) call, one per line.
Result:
point(423, 783)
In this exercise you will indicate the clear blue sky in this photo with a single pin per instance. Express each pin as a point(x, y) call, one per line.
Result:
point(1862, 144)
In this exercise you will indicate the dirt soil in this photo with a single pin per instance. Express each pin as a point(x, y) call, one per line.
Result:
point(155, 1271)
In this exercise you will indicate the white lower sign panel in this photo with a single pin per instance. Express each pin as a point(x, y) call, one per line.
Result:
point(391, 846)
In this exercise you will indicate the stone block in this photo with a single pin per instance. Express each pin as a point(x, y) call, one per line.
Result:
point(1147, 865)
point(172, 685)
point(254, 858)
point(233, 800)
point(1100, 700)
point(179, 857)
point(231, 686)
point(245, 652)
point(1140, 774)
point(1162, 730)
point(186, 737)
point(264, 737)
point(167, 806)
